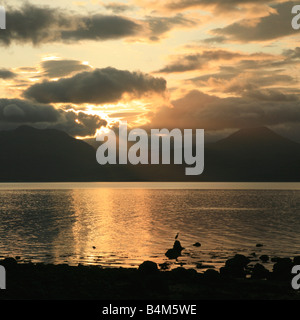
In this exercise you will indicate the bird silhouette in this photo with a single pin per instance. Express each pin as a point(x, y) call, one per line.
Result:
point(177, 235)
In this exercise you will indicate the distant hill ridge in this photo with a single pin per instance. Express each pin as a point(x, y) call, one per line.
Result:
point(254, 154)
point(29, 154)
point(260, 136)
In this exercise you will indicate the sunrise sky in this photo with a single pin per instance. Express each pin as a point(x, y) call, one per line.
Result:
point(209, 64)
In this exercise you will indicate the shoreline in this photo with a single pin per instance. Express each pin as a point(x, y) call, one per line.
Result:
point(29, 281)
point(200, 185)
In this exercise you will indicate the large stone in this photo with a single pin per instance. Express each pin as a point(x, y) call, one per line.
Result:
point(238, 261)
point(197, 244)
point(148, 267)
point(8, 262)
point(296, 260)
point(259, 272)
point(233, 272)
point(235, 267)
point(264, 258)
point(211, 274)
point(282, 269)
point(175, 252)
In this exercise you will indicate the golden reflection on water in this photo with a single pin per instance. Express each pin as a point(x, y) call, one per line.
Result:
point(103, 226)
point(129, 226)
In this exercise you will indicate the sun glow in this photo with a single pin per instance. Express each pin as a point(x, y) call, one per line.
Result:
point(50, 57)
point(133, 111)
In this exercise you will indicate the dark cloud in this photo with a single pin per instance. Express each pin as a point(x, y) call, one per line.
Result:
point(271, 94)
point(16, 112)
point(197, 61)
point(214, 40)
point(7, 74)
point(98, 86)
point(260, 85)
point(34, 24)
point(199, 110)
point(292, 53)
point(273, 26)
point(225, 73)
point(78, 124)
point(101, 27)
point(251, 73)
point(160, 25)
point(117, 7)
point(222, 5)
point(62, 68)
point(42, 24)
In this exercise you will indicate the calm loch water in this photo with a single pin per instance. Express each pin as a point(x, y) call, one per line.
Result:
point(113, 224)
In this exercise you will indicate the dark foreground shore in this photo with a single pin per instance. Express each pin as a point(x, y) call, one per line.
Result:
point(233, 281)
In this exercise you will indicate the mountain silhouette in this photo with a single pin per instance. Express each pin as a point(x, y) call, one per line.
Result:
point(250, 154)
point(45, 155)
point(256, 139)
point(253, 154)
point(29, 154)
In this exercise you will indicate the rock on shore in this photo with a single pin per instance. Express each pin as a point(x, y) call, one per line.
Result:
point(47, 281)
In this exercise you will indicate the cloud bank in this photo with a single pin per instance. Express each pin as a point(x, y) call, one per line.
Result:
point(16, 112)
point(38, 25)
point(270, 27)
point(199, 110)
point(97, 86)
